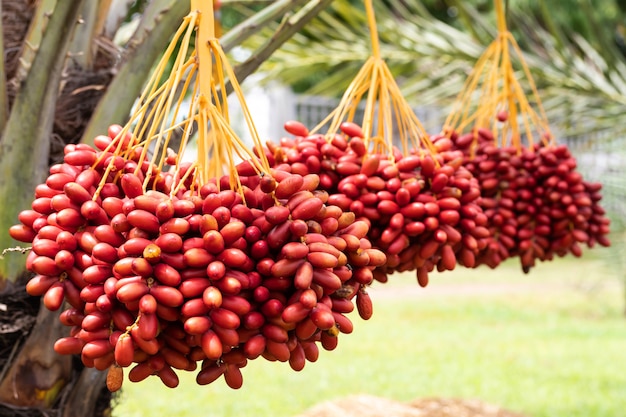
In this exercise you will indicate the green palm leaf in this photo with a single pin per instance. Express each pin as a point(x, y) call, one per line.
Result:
point(432, 59)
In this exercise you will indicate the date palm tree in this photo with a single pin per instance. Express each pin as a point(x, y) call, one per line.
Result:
point(72, 68)
point(576, 51)
point(65, 80)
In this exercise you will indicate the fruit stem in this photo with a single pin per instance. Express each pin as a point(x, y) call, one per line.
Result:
point(371, 21)
point(501, 16)
point(205, 34)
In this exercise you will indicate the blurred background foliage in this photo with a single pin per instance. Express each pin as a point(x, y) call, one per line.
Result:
point(575, 49)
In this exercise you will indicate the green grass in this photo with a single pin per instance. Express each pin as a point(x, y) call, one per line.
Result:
point(548, 344)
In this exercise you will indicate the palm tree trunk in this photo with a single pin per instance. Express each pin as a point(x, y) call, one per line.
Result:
point(24, 148)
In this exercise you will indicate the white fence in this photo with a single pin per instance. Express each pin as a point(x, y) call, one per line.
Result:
point(273, 104)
